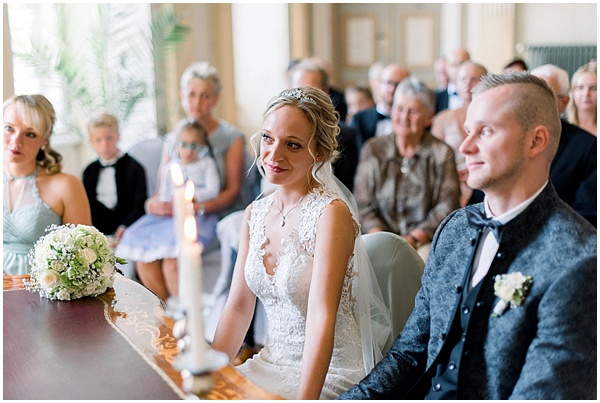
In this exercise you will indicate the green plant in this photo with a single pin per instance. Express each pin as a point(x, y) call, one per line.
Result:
point(107, 67)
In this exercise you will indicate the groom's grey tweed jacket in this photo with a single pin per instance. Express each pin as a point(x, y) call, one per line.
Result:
point(544, 349)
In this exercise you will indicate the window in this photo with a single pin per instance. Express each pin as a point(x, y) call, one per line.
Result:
point(86, 58)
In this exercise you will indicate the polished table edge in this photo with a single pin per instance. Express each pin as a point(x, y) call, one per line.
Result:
point(139, 316)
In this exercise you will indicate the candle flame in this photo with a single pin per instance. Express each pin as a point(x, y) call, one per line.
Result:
point(189, 229)
point(177, 175)
point(189, 191)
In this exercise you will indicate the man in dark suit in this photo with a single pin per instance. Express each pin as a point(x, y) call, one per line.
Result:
point(447, 98)
point(309, 73)
point(115, 183)
point(507, 307)
point(573, 170)
point(375, 122)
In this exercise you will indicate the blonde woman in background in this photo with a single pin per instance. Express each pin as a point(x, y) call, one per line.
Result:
point(582, 109)
point(36, 193)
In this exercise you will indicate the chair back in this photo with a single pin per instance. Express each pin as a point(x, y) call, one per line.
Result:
point(398, 268)
point(148, 153)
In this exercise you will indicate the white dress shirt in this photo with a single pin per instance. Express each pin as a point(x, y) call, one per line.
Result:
point(454, 101)
point(106, 188)
point(488, 246)
point(384, 126)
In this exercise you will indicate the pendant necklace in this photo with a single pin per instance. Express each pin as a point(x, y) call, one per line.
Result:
point(283, 216)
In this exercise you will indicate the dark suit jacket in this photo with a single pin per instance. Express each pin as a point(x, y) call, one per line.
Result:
point(573, 170)
point(543, 349)
point(131, 194)
point(366, 124)
point(441, 100)
point(344, 167)
point(339, 102)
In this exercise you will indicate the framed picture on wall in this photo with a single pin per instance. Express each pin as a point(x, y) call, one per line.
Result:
point(418, 32)
point(359, 40)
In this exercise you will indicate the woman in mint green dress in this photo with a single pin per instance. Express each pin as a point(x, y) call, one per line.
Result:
point(36, 194)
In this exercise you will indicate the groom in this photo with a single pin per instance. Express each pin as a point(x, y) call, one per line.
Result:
point(464, 342)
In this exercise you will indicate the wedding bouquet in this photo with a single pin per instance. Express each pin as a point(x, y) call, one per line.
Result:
point(70, 262)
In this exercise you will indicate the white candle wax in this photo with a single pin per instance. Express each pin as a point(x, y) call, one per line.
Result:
point(178, 202)
point(195, 318)
point(192, 273)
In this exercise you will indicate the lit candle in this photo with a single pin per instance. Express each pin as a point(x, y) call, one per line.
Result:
point(179, 203)
point(187, 210)
point(192, 270)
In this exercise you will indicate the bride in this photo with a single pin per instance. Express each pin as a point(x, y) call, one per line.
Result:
point(301, 254)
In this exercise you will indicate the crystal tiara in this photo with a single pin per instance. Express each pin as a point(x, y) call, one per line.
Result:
point(298, 94)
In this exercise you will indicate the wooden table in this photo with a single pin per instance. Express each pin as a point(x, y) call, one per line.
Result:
point(118, 345)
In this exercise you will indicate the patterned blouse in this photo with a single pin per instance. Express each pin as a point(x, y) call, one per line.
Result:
point(400, 194)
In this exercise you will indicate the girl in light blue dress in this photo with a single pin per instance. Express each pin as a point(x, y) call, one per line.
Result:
point(35, 193)
point(151, 241)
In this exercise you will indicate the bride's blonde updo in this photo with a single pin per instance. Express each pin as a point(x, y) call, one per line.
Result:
point(37, 112)
point(316, 106)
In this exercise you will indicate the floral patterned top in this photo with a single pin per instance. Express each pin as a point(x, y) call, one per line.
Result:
point(285, 298)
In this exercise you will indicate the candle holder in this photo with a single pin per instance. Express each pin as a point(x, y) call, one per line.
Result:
point(196, 360)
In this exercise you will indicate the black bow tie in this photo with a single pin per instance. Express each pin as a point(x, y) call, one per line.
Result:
point(108, 166)
point(381, 116)
point(478, 220)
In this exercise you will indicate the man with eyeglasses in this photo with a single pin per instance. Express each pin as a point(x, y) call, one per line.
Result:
point(376, 122)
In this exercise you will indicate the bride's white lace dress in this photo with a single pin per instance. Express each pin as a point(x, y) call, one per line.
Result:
point(285, 298)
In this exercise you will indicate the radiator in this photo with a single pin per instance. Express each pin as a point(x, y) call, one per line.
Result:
point(569, 58)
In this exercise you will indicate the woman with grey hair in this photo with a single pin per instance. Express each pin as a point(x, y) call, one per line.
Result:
point(407, 182)
point(301, 254)
point(200, 91)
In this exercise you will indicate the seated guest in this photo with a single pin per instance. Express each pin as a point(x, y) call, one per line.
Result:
point(448, 124)
point(507, 307)
point(574, 168)
point(337, 96)
point(36, 193)
point(440, 71)
point(308, 73)
point(152, 241)
point(200, 91)
point(515, 65)
point(375, 122)
point(583, 110)
point(447, 98)
point(115, 183)
point(407, 182)
point(358, 97)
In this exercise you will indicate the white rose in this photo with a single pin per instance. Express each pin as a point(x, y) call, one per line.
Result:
point(515, 280)
point(107, 269)
point(89, 255)
point(63, 295)
point(58, 266)
point(506, 292)
point(49, 279)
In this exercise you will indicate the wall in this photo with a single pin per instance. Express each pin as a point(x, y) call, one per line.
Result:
point(261, 55)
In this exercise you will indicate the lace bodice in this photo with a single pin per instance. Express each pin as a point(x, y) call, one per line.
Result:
point(24, 224)
point(285, 298)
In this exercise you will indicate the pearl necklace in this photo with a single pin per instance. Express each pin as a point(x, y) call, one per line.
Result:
point(283, 216)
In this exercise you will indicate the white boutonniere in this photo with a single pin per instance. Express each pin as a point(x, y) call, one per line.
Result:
point(512, 289)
